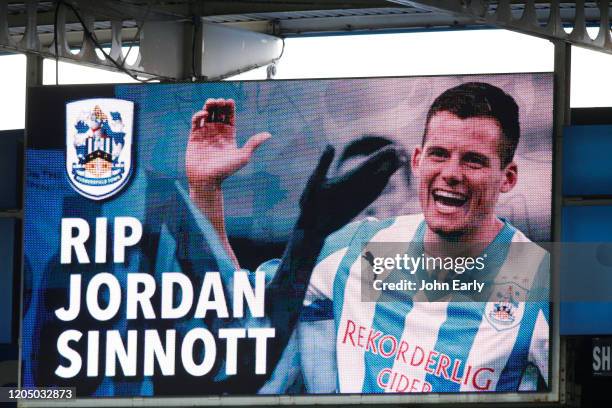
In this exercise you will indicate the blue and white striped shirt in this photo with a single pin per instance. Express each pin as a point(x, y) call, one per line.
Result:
point(404, 345)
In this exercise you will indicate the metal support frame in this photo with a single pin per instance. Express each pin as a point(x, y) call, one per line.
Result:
point(113, 26)
point(533, 18)
point(165, 45)
point(34, 70)
point(30, 41)
point(561, 118)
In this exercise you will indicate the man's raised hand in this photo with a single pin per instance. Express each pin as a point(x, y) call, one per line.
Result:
point(212, 154)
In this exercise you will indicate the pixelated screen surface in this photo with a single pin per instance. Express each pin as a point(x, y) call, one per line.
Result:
point(205, 239)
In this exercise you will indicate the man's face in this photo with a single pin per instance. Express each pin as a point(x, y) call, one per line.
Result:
point(459, 173)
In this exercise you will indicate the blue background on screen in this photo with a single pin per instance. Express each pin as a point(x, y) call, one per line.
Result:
point(586, 160)
point(585, 281)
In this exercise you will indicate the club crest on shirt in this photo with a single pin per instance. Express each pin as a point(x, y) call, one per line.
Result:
point(506, 309)
point(99, 146)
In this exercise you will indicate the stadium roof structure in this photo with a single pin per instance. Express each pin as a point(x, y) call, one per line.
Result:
point(80, 26)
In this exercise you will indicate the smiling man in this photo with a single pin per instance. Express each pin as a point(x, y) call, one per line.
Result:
point(413, 341)
point(465, 162)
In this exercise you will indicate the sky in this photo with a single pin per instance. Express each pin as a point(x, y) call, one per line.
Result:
point(365, 55)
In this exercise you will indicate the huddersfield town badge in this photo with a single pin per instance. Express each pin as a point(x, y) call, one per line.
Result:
point(506, 309)
point(99, 146)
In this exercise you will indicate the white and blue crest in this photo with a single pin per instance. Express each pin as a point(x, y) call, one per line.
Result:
point(508, 306)
point(99, 146)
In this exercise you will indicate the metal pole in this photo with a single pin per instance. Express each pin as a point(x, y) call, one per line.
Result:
point(561, 118)
point(34, 70)
point(34, 75)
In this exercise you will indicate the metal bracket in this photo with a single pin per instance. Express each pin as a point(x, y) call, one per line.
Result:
point(545, 20)
point(38, 40)
point(164, 51)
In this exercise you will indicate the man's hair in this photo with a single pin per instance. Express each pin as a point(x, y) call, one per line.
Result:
point(479, 99)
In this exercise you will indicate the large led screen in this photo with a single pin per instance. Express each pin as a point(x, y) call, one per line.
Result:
point(346, 236)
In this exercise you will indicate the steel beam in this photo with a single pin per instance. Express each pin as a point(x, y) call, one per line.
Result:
point(545, 20)
point(561, 118)
point(28, 26)
point(32, 42)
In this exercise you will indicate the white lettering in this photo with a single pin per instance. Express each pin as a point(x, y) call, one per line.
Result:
point(261, 336)
point(116, 351)
point(122, 240)
point(212, 283)
point(153, 348)
point(596, 358)
point(210, 351)
point(75, 300)
point(114, 296)
point(169, 279)
point(93, 346)
point(101, 238)
point(243, 290)
point(232, 336)
point(69, 241)
point(65, 351)
point(134, 297)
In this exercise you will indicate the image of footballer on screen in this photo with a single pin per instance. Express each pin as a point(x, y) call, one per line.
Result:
point(227, 175)
point(408, 340)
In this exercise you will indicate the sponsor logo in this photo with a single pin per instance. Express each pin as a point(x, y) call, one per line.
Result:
point(99, 146)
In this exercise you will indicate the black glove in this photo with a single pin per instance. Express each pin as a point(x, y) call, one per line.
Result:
point(328, 204)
